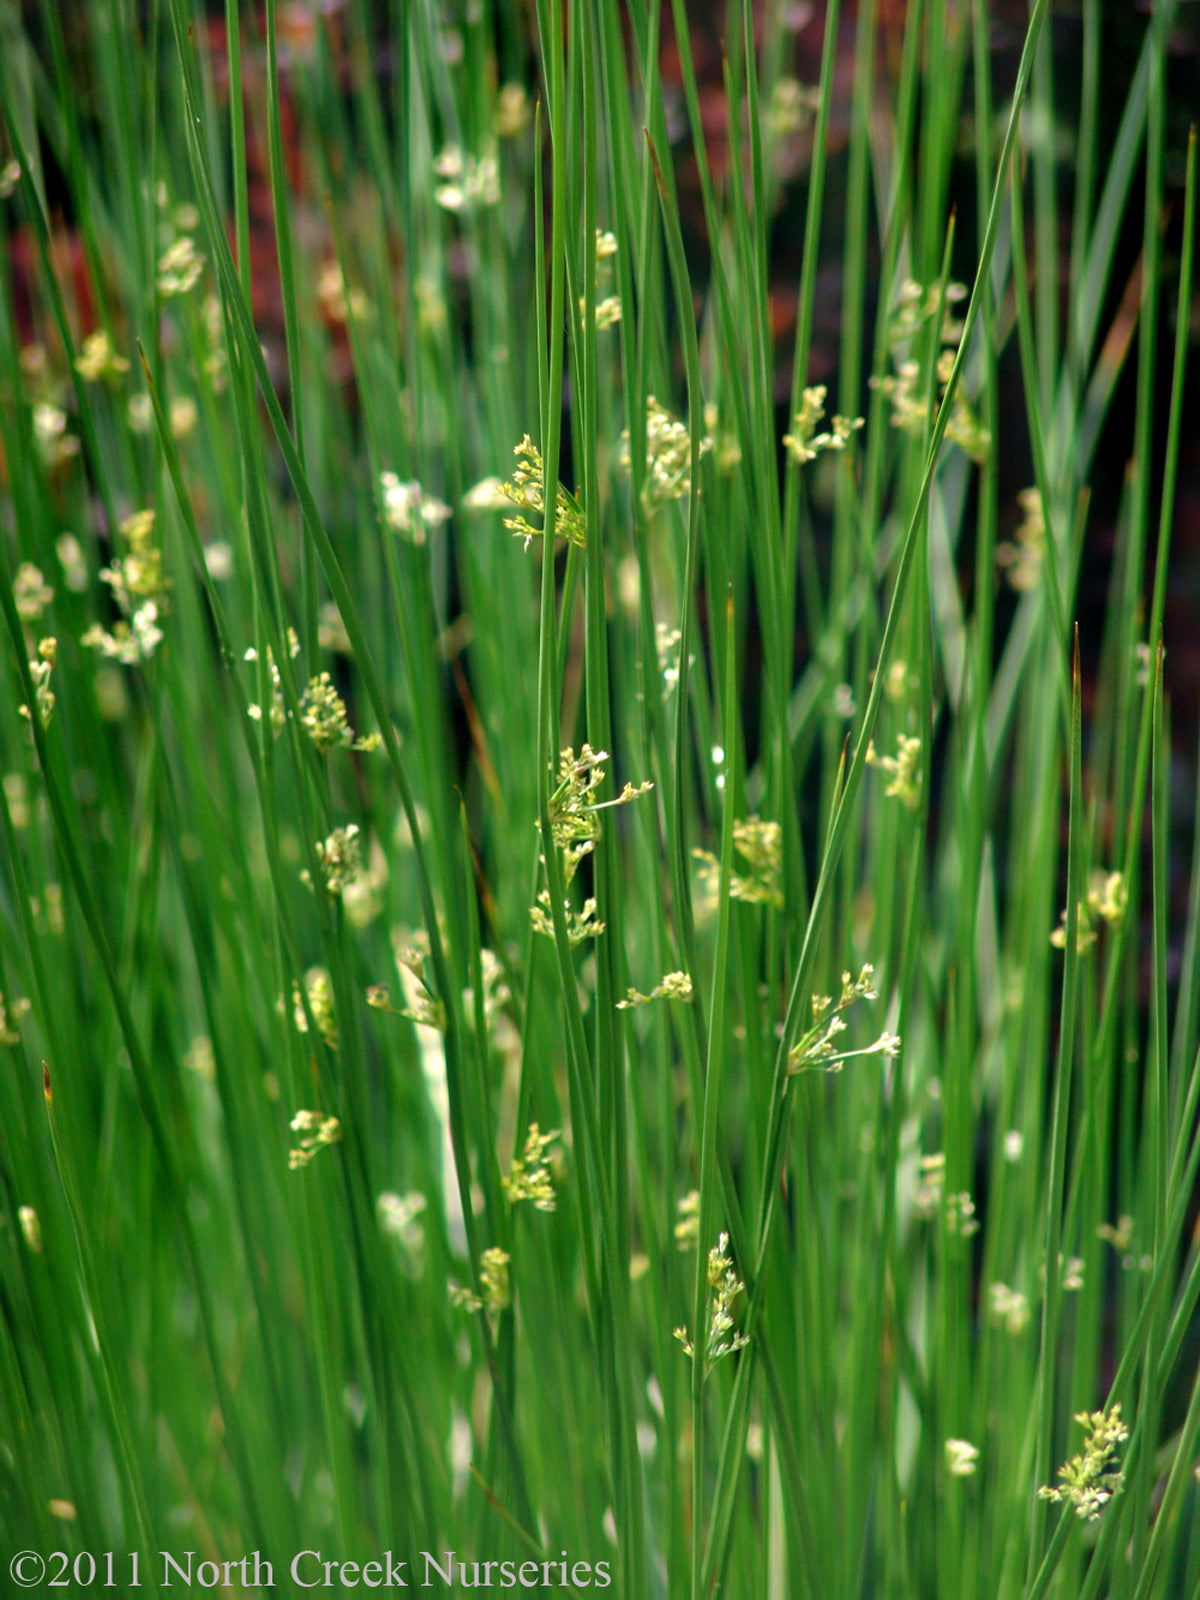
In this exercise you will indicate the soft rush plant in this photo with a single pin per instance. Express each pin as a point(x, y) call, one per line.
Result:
point(285, 1007)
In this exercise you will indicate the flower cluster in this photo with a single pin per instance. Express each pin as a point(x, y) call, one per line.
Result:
point(930, 1198)
point(1091, 1478)
point(139, 574)
point(574, 828)
point(98, 360)
point(180, 268)
point(316, 1130)
point(1022, 561)
point(420, 1003)
point(10, 1015)
point(727, 452)
point(493, 1280)
point(467, 181)
point(790, 109)
point(400, 1217)
point(341, 303)
point(687, 1229)
point(524, 489)
point(960, 1215)
point(760, 845)
point(573, 807)
point(907, 387)
point(200, 1059)
point(1009, 1308)
point(278, 710)
point(608, 306)
point(904, 775)
point(668, 456)
point(55, 442)
point(674, 986)
point(581, 924)
point(40, 668)
point(512, 110)
point(31, 594)
point(139, 588)
point(816, 1051)
point(408, 510)
point(1120, 1237)
point(1107, 898)
point(530, 1177)
point(422, 1006)
point(667, 642)
point(806, 444)
point(319, 992)
point(724, 1287)
point(961, 1456)
point(323, 718)
point(930, 1184)
point(31, 1228)
point(1072, 1273)
point(340, 856)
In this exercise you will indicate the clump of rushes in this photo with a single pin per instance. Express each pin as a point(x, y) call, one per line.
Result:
point(816, 1050)
point(724, 1288)
point(1091, 1478)
point(524, 489)
point(734, 574)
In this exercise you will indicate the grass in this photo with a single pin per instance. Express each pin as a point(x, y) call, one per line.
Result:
point(347, 1207)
